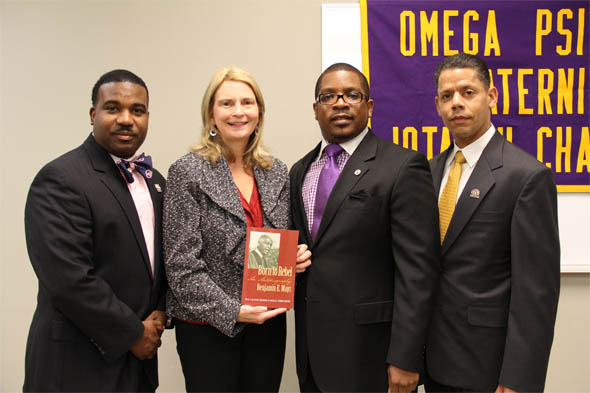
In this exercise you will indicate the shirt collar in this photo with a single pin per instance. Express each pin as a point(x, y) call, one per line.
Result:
point(348, 146)
point(115, 158)
point(473, 151)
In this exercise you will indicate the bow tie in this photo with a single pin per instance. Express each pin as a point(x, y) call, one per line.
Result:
point(141, 163)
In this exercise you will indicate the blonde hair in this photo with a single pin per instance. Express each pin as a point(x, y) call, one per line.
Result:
point(213, 148)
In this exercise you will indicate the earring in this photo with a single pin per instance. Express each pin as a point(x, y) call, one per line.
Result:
point(256, 130)
point(212, 132)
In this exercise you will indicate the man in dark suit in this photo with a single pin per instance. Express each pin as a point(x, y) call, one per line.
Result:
point(362, 308)
point(94, 240)
point(492, 327)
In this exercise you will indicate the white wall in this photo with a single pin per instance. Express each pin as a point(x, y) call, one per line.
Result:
point(52, 52)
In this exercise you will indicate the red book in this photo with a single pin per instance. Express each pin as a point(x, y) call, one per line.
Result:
point(269, 267)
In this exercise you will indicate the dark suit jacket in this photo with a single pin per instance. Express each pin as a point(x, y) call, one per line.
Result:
point(365, 302)
point(499, 285)
point(87, 248)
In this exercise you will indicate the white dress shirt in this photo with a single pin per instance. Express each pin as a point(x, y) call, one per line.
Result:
point(472, 153)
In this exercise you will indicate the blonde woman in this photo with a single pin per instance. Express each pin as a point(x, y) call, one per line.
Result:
point(227, 182)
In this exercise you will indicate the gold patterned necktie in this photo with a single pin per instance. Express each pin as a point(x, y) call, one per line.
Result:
point(448, 198)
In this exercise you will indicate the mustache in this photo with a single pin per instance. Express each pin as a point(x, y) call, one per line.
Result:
point(124, 128)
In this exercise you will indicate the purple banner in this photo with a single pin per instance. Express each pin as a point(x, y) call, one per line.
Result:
point(537, 52)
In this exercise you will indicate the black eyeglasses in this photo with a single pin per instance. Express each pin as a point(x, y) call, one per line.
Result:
point(353, 97)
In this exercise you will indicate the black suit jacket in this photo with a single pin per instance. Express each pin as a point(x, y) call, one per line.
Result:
point(365, 302)
point(87, 248)
point(499, 286)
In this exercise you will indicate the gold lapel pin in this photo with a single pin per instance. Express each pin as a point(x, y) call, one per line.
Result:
point(357, 172)
point(474, 193)
point(158, 188)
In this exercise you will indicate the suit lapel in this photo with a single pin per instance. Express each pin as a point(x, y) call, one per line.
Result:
point(479, 184)
point(438, 170)
point(354, 170)
point(156, 192)
point(111, 177)
point(222, 190)
point(297, 196)
point(269, 192)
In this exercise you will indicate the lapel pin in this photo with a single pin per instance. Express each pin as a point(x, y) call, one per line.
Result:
point(474, 193)
point(357, 172)
point(158, 188)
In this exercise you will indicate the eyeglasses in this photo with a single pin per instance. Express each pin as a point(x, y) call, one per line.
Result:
point(353, 97)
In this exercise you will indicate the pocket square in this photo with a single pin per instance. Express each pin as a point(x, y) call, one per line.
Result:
point(361, 195)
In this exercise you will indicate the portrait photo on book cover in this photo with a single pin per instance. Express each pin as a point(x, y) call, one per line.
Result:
point(264, 250)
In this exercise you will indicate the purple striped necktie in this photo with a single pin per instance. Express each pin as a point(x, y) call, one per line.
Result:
point(326, 181)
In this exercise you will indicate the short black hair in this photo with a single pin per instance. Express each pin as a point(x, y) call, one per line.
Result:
point(464, 60)
point(344, 67)
point(117, 76)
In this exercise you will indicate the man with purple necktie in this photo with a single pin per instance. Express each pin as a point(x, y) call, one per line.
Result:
point(368, 210)
point(93, 230)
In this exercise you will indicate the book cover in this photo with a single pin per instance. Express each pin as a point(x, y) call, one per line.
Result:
point(269, 267)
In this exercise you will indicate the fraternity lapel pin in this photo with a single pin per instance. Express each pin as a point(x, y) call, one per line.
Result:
point(158, 188)
point(474, 193)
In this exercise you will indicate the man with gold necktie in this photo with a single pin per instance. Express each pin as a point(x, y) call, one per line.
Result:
point(492, 327)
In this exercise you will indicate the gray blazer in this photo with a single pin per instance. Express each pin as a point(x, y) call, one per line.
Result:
point(205, 237)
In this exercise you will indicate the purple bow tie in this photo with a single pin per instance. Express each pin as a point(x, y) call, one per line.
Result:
point(141, 163)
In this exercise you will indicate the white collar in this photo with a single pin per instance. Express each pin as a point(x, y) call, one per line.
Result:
point(473, 151)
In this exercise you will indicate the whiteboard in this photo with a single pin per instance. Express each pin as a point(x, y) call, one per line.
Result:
point(341, 42)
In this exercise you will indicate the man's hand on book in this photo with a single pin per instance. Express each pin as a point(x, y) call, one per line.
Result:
point(303, 258)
